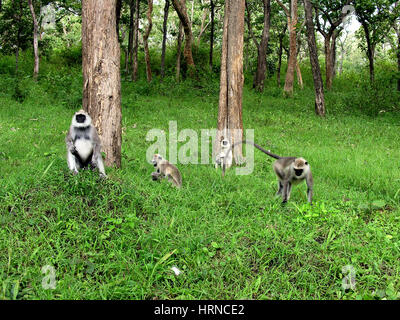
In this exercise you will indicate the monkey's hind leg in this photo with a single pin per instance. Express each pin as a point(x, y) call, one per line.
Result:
point(175, 183)
point(280, 188)
point(287, 188)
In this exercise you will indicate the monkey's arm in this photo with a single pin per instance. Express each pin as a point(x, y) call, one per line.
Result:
point(72, 153)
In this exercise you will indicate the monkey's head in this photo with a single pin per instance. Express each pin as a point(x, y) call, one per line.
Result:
point(81, 119)
point(156, 159)
point(300, 166)
point(224, 143)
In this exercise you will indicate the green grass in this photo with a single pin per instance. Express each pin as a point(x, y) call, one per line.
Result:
point(118, 239)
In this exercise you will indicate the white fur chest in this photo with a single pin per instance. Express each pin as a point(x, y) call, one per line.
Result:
point(84, 148)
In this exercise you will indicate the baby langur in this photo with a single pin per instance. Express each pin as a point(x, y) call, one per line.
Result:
point(290, 171)
point(83, 144)
point(166, 169)
point(224, 158)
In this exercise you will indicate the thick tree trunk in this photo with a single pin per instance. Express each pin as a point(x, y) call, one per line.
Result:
point(230, 124)
point(316, 70)
point(212, 5)
point(178, 52)
point(164, 40)
point(35, 40)
point(146, 38)
point(101, 74)
point(180, 8)
point(136, 42)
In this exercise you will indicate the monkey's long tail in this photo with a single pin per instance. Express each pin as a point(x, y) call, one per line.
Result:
point(267, 152)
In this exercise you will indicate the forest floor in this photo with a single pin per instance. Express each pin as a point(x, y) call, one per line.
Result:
point(230, 237)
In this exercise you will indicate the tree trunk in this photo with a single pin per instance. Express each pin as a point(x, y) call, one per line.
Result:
point(118, 17)
point(180, 8)
point(398, 58)
point(328, 62)
point(316, 70)
point(299, 76)
point(164, 40)
point(17, 45)
point(262, 49)
point(136, 42)
point(35, 40)
point(101, 74)
point(146, 38)
point(212, 33)
point(292, 18)
point(370, 52)
point(131, 33)
point(280, 52)
point(230, 124)
point(178, 52)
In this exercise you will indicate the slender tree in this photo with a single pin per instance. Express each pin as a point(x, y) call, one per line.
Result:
point(35, 40)
point(292, 18)
point(136, 41)
point(132, 4)
point(316, 70)
point(180, 8)
point(178, 51)
point(101, 74)
point(212, 17)
point(331, 14)
point(164, 40)
point(261, 46)
point(375, 19)
point(146, 37)
point(230, 123)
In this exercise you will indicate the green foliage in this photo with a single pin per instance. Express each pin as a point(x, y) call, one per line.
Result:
point(119, 238)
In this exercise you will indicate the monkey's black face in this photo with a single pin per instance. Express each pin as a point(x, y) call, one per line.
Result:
point(224, 143)
point(298, 172)
point(80, 118)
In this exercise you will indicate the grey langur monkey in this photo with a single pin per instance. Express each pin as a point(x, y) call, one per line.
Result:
point(290, 171)
point(83, 144)
point(166, 169)
point(224, 158)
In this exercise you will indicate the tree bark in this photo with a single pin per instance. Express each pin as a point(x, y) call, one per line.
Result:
point(262, 47)
point(136, 42)
point(230, 124)
point(131, 33)
point(35, 40)
point(292, 18)
point(146, 38)
point(178, 52)
point(398, 57)
point(212, 5)
point(164, 40)
point(280, 52)
point(316, 70)
point(370, 52)
point(101, 74)
point(180, 8)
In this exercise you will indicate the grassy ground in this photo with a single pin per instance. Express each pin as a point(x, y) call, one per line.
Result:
point(118, 239)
